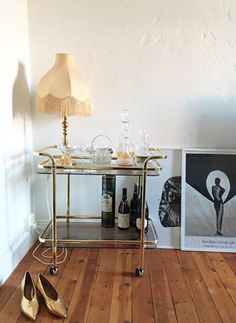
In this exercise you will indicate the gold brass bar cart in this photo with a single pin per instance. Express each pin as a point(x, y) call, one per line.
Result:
point(61, 229)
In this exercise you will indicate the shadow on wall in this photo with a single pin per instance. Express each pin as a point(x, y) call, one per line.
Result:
point(213, 121)
point(18, 162)
point(21, 113)
point(21, 93)
point(21, 100)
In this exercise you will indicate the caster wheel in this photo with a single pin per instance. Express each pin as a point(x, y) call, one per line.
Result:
point(53, 270)
point(139, 271)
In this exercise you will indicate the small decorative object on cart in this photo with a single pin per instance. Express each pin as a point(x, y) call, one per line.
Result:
point(65, 159)
point(101, 150)
point(125, 150)
point(142, 148)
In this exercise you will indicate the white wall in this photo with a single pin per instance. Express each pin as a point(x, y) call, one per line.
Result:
point(15, 135)
point(172, 63)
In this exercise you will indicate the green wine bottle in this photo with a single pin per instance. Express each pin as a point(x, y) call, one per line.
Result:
point(108, 201)
point(134, 206)
point(146, 215)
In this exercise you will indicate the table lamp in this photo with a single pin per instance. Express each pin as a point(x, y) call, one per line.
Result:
point(63, 91)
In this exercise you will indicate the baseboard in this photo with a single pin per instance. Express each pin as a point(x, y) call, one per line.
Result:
point(14, 255)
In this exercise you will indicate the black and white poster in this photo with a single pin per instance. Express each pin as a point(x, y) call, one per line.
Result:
point(165, 195)
point(208, 200)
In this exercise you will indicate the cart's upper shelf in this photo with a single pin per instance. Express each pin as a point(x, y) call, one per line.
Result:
point(82, 165)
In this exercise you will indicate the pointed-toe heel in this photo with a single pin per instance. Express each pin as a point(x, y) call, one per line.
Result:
point(29, 301)
point(53, 300)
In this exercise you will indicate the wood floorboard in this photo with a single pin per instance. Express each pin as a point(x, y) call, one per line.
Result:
point(142, 309)
point(67, 284)
point(164, 310)
point(100, 306)
point(225, 274)
point(230, 259)
point(121, 292)
point(219, 294)
point(80, 302)
point(184, 306)
point(99, 285)
point(201, 297)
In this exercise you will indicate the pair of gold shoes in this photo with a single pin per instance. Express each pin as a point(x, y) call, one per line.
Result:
point(29, 300)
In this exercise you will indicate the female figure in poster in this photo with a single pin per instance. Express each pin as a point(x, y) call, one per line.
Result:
point(217, 192)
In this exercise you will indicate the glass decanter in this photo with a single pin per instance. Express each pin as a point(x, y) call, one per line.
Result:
point(125, 150)
point(143, 144)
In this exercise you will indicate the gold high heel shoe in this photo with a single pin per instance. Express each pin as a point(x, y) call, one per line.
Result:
point(53, 300)
point(29, 301)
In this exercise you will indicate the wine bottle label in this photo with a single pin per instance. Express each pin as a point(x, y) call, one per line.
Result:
point(123, 220)
point(106, 203)
point(138, 223)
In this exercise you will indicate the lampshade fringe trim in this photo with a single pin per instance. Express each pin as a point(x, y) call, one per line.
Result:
point(68, 106)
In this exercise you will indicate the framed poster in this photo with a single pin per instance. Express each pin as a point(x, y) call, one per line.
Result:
point(164, 198)
point(208, 200)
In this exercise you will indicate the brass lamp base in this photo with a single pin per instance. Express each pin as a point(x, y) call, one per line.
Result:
point(65, 159)
point(65, 132)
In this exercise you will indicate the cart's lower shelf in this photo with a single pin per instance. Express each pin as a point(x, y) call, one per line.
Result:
point(83, 234)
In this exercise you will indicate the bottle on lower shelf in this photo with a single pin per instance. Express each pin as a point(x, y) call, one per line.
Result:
point(136, 208)
point(124, 212)
point(146, 220)
point(108, 201)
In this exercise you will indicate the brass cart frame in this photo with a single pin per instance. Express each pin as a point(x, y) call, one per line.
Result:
point(50, 166)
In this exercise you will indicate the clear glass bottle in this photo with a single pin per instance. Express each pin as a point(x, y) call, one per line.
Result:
point(125, 150)
point(126, 156)
point(143, 144)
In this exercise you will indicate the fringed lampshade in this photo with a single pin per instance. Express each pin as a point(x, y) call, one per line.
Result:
point(63, 91)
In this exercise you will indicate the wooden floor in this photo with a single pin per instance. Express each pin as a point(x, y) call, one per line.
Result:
point(99, 286)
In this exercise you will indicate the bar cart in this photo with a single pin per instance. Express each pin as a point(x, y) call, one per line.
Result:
point(64, 230)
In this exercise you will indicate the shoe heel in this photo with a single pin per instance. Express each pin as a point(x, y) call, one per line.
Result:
point(53, 300)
